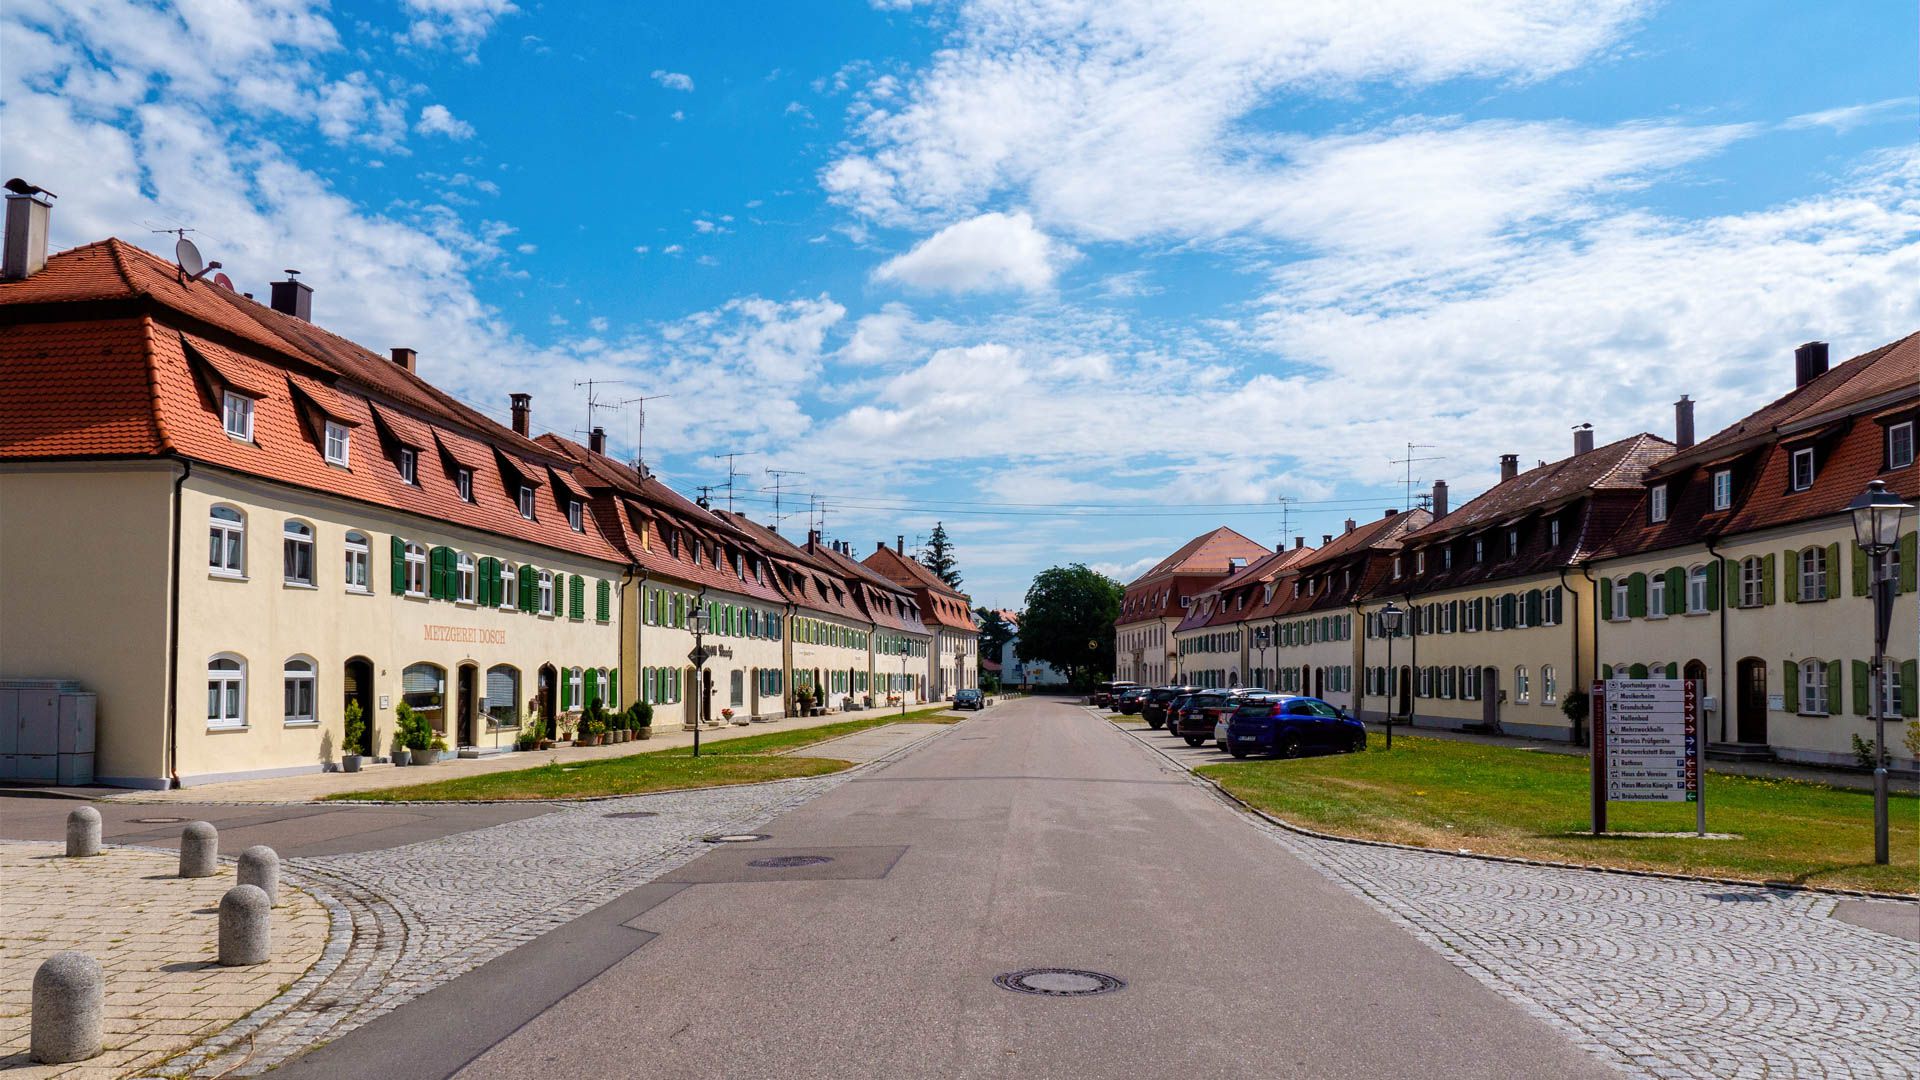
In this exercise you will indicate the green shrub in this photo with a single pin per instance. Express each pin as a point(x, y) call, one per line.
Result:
point(412, 731)
point(356, 727)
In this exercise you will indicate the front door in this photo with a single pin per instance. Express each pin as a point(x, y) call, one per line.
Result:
point(1490, 697)
point(359, 691)
point(548, 690)
point(1752, 715)
point(466, 702)
point(1404, 707)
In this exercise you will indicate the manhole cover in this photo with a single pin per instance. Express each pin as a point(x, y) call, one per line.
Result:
point(1058, 982)
point(634, 814)
point(736, 838)
point(782, 862)
point(158, 820)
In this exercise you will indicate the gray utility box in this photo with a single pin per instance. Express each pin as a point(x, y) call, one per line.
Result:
point(47, 731)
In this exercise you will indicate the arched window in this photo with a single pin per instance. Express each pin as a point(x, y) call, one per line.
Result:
point(424, 688)
point(1813, 573)
point(1549, 686)
point(546, 592)
point(226, 691)
point(298, 682)
point(296, 546)
point(1752, 581)
point(503, 695)
point(1696, 589)
point(416, 559)
point(358, 558)
point(1813, 687)
point(226, 541)
point(464, 577)
point(509, 585)
point(576, 688)
point(1522, 689)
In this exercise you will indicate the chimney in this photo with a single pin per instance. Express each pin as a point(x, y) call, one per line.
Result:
point(597, 441)
point(880, 545)
point(1299, 542)
point(27, 220)
point(1390, 512)
point(899, 545)
point(1509, 467)
point(1439, 499)
point(813, 539)
point(1583, 440)
point(405, 358)
point(522, 413)
point(1325, 539)
point(291, 297)
point(1350, 524)
point(1809, 360)
point(1683, 422)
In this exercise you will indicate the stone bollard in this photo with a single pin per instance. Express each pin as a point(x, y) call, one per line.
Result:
point(68, 991)
point(246, 927)
point(199, 850)
point(260, 866)
point(83, 832)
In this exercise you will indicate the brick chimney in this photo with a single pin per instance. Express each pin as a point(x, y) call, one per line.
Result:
point(1325, 539)
point(1390, 512)
point(405, 358)
point(522, 413)
point(28, 217)
point(813, 539)
point(1299, 542)
point(1809, 362)
point(293, 297)
point(1583, 440)
point(1683, 422)
point(899, 545)
point(1439, 499)
point(1509, 467)
point(597, 441)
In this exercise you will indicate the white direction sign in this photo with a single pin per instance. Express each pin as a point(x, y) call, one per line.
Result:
point(1647, 743)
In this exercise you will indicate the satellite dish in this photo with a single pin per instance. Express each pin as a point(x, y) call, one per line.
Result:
point(188, 257)
point(223, 281)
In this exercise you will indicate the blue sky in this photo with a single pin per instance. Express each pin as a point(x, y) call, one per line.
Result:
point(1079, 279)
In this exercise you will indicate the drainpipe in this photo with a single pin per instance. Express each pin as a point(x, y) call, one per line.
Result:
point(639, 606)
point(173, 634)
point(1720, 616)
point(1586, 571)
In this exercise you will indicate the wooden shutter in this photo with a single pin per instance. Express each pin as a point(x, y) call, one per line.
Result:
point(489, 571)
point(434, 577)
point(1836, 676)
point(1766, 579)
point(602, 601)
point(1860, 699)
point(577, 597)
point(1637, 671)
point(1859, 569)
point(1636, 596)
point(1713, 584)
point(1833, 571)
point(1909, 677)
point(1675, 602)
point(1790, 675)
point(566, 690)
point(399, 565)
point(1909, 560)
point(613, 687)
point(529, 589)
point(1790, 581)
point(592, 685)
point(1673, 670)
point(1606, 598)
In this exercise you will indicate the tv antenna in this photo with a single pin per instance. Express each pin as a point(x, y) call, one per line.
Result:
point(640, 415)
point(1286, 518)
point(1409, 461)
point(187, 255)
point(779, 478)
point(731, 473)
point(705, 501)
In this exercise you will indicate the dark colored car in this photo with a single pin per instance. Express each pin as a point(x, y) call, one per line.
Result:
point(1204, 710)
point(1128, 701)
point(969, 699)
point(1292, 726)
point(1172, 710)
point(1103, 694)
point(1155, 706)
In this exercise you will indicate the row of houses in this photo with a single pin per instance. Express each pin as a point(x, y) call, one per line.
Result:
point(210, 499)
point(1729, 560)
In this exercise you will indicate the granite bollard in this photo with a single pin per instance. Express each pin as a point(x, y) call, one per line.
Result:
point(260, 865)
point(83, 832)
point(199, 850)
point(68, 992)
point(246, 927)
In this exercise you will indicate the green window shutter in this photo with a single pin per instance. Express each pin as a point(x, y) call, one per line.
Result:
point(399, 565)
point(579, 605)
point(1637, 671)
point(1606, 671)
point(529, 589)
point(1909, 560)
point(1790, 674)
point(435, 578)
point(1637, 596)
point(613, 687)
point(566, 690)
point(592, 685)
point(1860, 673)
point(482, 588)
point(1833, 572)
point(1909, 701)
point(1713, 584)
point(602, 594)
point(1606, 598)
point(1836, 676)
point(1675, 602)
point(1859, 570)
point(1790, 580)
point(1766, 579)
point(1673, 671)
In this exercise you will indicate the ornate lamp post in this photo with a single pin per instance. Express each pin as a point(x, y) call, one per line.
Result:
point(698, 621)
point(1390, 618)
point(1876, 527)
point(1260, 636)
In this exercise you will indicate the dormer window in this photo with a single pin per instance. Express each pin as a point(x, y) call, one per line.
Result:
point(1513, 542)
point(1479, 550)
point(525, 495)
point(576, 516)
point(1446, 557)
point(1396, 567)
point(1657, 503)
point(409, 465)
point(1419, 563)
point(1900, 445)
point(1553, 533)
point(1802, 469)
point(463, 483)
point(1723, 489)
point(338, 444)
point(236, 415)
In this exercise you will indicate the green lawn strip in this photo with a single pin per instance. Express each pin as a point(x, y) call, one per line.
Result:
point(1450, 794)
point(749, 760)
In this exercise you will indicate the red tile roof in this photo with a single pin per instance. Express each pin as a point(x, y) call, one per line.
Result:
point(1188, 572)
point(941, 605)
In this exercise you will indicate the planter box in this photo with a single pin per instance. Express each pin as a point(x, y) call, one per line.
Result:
point(403, 757)
point(425, 757)
point(350, 763)
point(643, 734)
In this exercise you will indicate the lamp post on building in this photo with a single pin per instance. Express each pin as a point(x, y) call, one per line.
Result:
point(906, 649)
point(1260, 635)
point(1876, 527)
point(698, 621)
point(1390, 617)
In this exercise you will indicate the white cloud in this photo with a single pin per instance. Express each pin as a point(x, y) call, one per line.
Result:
point(1847, 117)
point(438, 120)
point(993, 251)
point(672, 249)
point(458, 25)
point(673, 80)
point(678, 115)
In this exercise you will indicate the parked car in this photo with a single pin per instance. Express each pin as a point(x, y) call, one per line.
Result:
point(1103, 694)
point(1154, 706)
point(1173, 708)
point(969, 699)
point(1291, 726)
point(1222, 714)
point(1128, 701)
point(1204, 710)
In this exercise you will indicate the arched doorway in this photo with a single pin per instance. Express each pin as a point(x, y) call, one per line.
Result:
point(466, 698)
point(1750, 717)
point(358, 684)
point(546, 691)
point(1490, 698)
point(1320, 682)
point(706, 696)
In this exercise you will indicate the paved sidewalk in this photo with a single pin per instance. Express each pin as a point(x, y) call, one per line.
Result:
point(154, 934)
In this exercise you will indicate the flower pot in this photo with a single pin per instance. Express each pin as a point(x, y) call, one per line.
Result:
point(643, 734)
point(349, 762)
point(403, 757)
point(425, 757)
point(546, 744)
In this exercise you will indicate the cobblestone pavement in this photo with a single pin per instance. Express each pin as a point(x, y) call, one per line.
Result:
point(425, 913)
point(154, 936)
point(1665, 978)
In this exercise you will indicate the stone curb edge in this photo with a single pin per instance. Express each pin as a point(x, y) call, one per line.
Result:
point(1662, 875)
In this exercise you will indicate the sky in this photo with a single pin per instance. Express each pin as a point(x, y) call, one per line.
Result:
point(1078, 278)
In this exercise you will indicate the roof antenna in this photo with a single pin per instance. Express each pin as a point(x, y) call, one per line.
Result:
point(185, 254)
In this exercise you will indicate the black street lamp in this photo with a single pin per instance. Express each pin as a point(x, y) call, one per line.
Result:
point(1876, 527)
point(698, 621)
point(1390, 617)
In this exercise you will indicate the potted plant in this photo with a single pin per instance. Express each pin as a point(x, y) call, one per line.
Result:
point(413, 732)
point(530, 734)
point(639, 716)
point(399, 753)
point(436, 748)
point(356, 732)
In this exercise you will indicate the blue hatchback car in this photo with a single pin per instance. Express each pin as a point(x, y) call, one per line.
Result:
point(1286, 726)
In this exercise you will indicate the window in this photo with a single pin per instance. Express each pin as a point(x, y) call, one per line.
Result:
point(503, 696)
point(1696, 590)
point(226, 541)
point(359, 558)
point(509, 585)
point(1813, 573)
point(1419, 563)
point(1549, 686)
point(1803, 469)
point(1446, 557)
point(1723, 489)
point(1657, 503)
point(409, 465)
point(1396, 574)
point(416, 560)
point(1656, 596)
point(1890, 689)
point(236, 415)
point(1479, 549)
point(298, 683)
point(424, 688)
point(576, 516)
point(463, 484)
point(226, 692)
point(1752, 581)
point(1620, 599)
point(1553, 533)
point(1900, 445)
point(576, 683)
point(526, 501)
point(1813, 687)
point(1513, 542)
point(1521, 688)
point(463, 578)
point(546, 592)
point(337, 444)
point(296, 546)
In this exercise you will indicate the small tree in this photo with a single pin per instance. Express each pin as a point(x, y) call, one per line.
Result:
point(412, 730)
point(938, 556)
point(995, 632)
point(1068, 622)
point(356, 727)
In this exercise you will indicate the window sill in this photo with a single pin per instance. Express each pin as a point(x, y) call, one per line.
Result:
point(413, 596)
point(1814, 715)
point(1697, 614)
point(307, 585)
point(358, 591)
point(1662, 616)
point(222, 729)
point(302, 724)
point(222, 575)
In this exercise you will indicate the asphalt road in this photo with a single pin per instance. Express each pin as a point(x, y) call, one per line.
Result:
point(1035, 836)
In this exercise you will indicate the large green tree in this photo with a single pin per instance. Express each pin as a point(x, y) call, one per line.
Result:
point(1068, 623)
point(938, 556)
point(995, 632)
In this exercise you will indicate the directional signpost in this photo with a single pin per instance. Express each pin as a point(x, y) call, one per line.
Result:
point(1646, 745)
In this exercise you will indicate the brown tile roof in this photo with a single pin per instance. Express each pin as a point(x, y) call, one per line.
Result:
point(941, 605)
point(1188, 572)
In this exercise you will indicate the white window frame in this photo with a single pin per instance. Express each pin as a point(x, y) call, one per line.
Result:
point(409, 465)
point(226, 692)
point(1813, 677)
point(1549, 686)
point(416, 563)
point(1657, 503)
point(1813, 571)
point(577, 687)
point(1723, 489)
point(339, 444)
point(1620, 600)
point(1890, 690)
point(1522, 688)
point(464, 577)
point(1656, 595)
point(1553, 533)
point(296, 545)
point(1697, 590)
point(1479, 549)
point(297, 670)
point(525, 499)
point(358, 551)
point(230, 534)
point(1794, 481)
point(1396, 575)
point(1900, 460)
point(546, 592)
point(509, 585)
point(1753, 579)
point(236, 415)
point(576, 516)
point(463, 483)
point(1513, 542)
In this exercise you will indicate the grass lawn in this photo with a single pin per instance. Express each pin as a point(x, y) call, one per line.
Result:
point(748, 760)
point(1443, 793)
